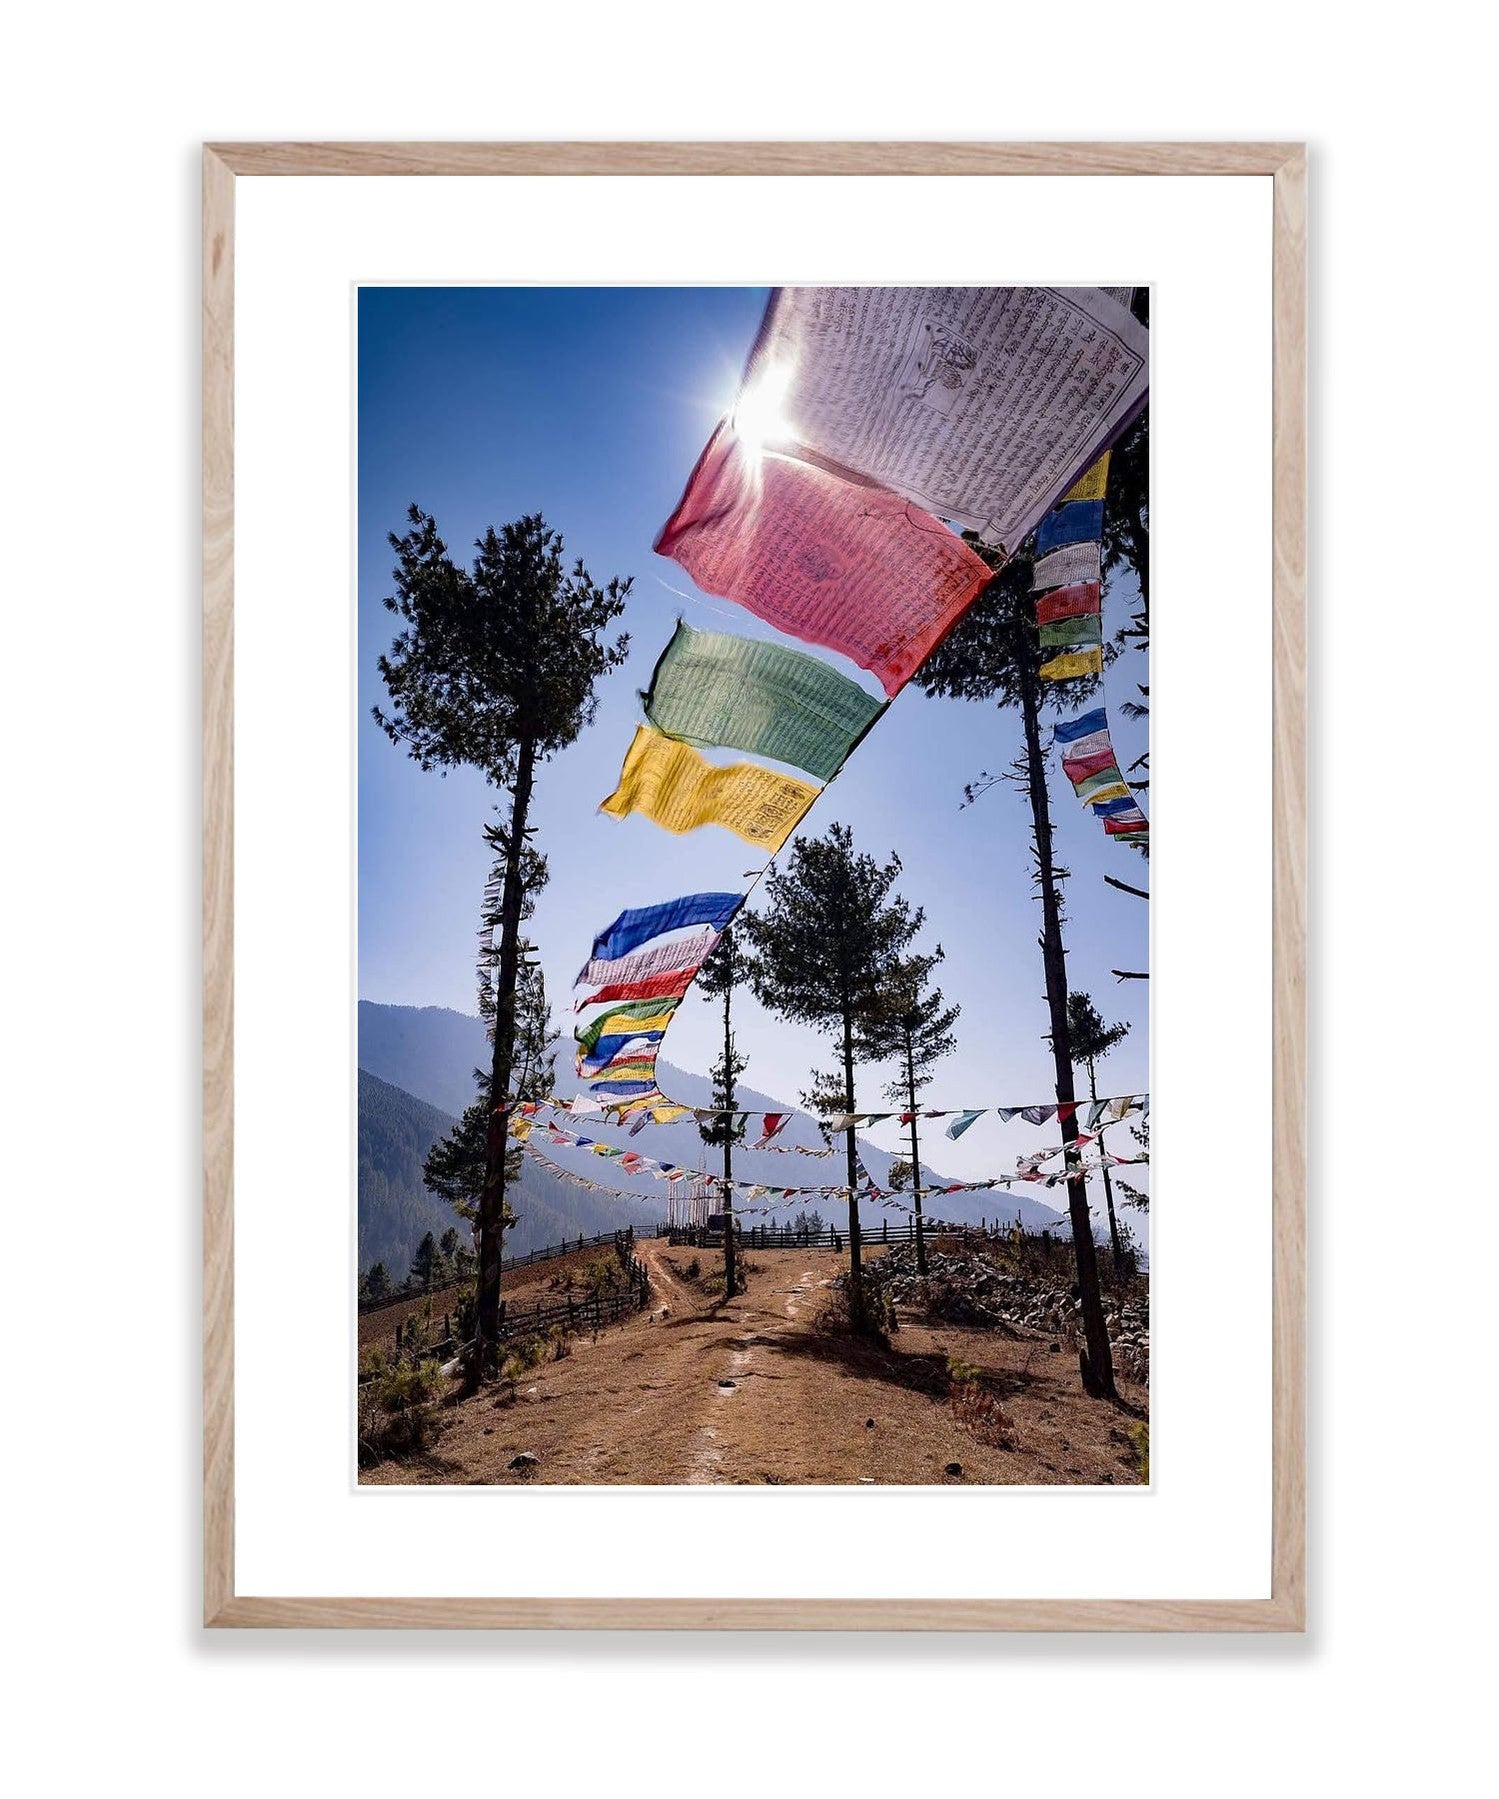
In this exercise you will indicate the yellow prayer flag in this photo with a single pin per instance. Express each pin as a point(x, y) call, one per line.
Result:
point(669, 1114)
point(1118, 791)
point(1093, 484)
point(1074, 662)
point(678, 788)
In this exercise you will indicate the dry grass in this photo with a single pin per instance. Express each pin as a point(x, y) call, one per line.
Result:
point(749, 1391)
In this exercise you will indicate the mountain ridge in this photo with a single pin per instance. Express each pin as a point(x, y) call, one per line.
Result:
point(432, 1050)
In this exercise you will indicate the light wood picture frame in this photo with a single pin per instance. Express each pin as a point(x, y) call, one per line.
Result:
point(224, 1605)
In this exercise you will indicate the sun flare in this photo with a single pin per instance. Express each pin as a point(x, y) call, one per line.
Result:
point(759, 419)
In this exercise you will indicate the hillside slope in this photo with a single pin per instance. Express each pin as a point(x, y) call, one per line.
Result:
point(396, 1129)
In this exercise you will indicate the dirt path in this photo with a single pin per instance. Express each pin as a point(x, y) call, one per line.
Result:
point(702, 1391)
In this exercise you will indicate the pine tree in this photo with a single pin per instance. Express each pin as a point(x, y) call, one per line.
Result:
point(724, 971)
point(456, 1166)
point(1092, 1040)
point(827, 948)
point(918, 1022)
point(494, 668)
point(994, 653)
point(425, 1262)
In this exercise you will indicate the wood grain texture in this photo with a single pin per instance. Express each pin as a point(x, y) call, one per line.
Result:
point(1288, 827)
point(1285, 1609)
point(218, 885)
point(717, 159)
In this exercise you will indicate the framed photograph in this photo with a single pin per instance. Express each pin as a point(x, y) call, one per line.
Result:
point(753, 918)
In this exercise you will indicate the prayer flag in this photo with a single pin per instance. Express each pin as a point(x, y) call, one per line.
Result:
point(981, 404)
point(750, 694)
point(1073, 663)
point(1074, 521)
point(1075, 730)
point(1074, 562)
point(1073, 630)
point(961, 1124)
point(1093, 485)
point(638, 926)
point(1101, 786)
point(1068, 602)
point(670, 985)
point(835, 562)
point(639, 1015)
point(648, 961)
point(676, 787)
point(1117, 826)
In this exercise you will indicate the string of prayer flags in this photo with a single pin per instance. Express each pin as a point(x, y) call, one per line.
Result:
point(648, 965)
point(1089, 763)
point(662, 1111)
point(676, 787)
point(831, 561)
point(746, 693)
point(631, 1162)
point(982, 405)
point(1069, 611)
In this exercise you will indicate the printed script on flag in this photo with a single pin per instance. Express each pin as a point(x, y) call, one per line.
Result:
point(744, 693)
point(982, 405)
point(839, 563)
point(676, 787)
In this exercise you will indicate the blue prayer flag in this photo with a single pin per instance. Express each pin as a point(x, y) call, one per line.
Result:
point(638, 926)
point(1076, 521)
point(1073, 728)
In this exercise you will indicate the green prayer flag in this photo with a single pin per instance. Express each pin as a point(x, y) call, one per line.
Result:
point(1087, 629)
point(631, 1011)
point(1108, 777)
point(745, 693)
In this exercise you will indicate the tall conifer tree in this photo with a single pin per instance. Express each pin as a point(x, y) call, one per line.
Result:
point(494, 668)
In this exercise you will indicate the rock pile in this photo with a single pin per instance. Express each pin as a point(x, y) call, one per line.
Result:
point(970, 1286)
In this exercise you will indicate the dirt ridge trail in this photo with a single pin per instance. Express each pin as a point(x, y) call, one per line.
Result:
point(702, 1391)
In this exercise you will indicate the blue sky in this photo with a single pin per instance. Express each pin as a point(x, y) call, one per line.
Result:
point(591, 406)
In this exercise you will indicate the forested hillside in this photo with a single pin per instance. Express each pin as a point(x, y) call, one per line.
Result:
point(395, 1210)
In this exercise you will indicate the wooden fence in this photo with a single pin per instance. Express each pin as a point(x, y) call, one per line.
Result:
point(791, 1236)
point(569, 1247)
point(570, 1312)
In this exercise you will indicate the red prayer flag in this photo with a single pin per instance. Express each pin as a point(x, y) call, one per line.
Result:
point(671, 985)
point(1116, 827)
point(1078, 768)
point(831, 560)
point(1068, 602)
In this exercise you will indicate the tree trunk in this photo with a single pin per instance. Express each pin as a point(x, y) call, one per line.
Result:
point(1108, 1187)
point(855, 1245)
point(915, 1158)
point(729, 1270)
point(1097, 1362)
point(492, 1206)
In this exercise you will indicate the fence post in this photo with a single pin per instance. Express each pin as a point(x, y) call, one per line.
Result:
point(884, 1230)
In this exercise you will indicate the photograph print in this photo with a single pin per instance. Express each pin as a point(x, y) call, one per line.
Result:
point(753, 886)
